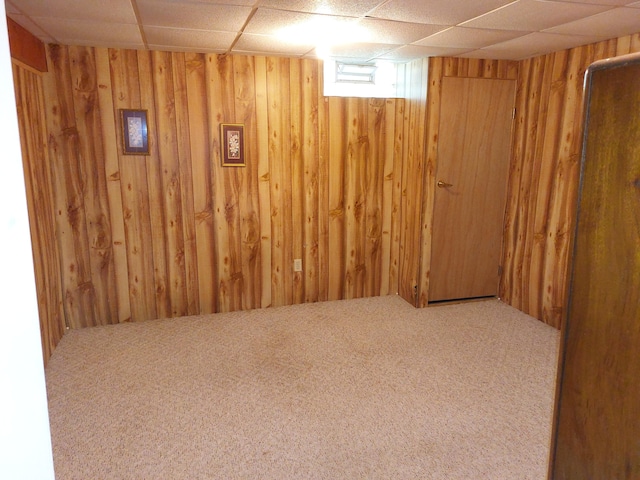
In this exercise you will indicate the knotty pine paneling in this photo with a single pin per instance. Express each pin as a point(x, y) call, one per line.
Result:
point(440, 67)
point(412, 131)
point(334, 181)
point(33, 137)
point(541, 204)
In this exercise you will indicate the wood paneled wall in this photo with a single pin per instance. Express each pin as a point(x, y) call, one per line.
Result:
point(439, 68)
point(541, 204)
point(33, 139)
point(345, 184)
point(329, 180)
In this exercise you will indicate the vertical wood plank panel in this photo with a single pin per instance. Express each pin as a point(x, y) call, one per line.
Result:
point(412, 185)
point(244, 86)
point(227, 215)
point(164, 239)
point(336, 226)
point(356, 149)
point(189, 255)
point(564, 192)
point(324, 215)
point(114, 185)
point(135, 199)
point(67, 176)
point(91, 162)
point(264, 190)
point(201, 180)
point(310, 153)
point(298, 130)
point(374, 208)
point(386, 199)
point(398, 120)
point(549, 114)
point(280, 162)
point(520, 171)
point(33, 136)
point(434, 88)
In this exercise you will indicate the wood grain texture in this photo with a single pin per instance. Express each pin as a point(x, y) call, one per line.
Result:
point(474, 151)
point(414, 145)
point(202, 182)
point(110, 147)
point(544, 177)
point(438, 69)
point(134, 191)
point(68, 188)
point(175, 233)
point(33, 138)
point(597, 420)
point(235, 233)
point(91, 163)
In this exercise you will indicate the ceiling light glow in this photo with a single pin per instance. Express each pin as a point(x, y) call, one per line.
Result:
point(324, 33)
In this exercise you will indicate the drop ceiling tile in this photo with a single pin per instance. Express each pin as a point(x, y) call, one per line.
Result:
point(77, 32)
point(113, 11)
point(353, 8)
point(190, 15)
point(194, 40)
point(486, 54)
point(267, 21)
point(35, 29)
point(360, 50)
point(609, 24)
point(10, 8)
point(461, 37)
point(615, 3)
point(239, 3)
point(534, 15)
point(389, 31)
point(269, 45)
point(534, 44)
point(413, 52)
point(447, 12)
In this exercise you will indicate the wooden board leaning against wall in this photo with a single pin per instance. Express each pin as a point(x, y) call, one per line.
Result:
point(175, 233)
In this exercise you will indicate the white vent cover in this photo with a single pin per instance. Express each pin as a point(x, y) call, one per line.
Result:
point(356, 73)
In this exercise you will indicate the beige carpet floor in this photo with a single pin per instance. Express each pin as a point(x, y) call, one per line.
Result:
point(369, 388)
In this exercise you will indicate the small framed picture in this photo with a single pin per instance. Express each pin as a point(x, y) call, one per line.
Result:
point(232, 142)
point(135, 139)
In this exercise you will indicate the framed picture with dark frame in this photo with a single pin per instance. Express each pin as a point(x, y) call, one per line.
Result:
point(232, 143)
point(135, 135)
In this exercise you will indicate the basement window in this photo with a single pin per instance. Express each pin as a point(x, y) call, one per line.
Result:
point(370, 80)
point(360, 73)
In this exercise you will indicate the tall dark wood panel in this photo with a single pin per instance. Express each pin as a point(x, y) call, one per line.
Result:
point(597, 419)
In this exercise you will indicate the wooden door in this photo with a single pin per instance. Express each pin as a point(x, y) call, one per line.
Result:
point(597, 416)
point(473, 158)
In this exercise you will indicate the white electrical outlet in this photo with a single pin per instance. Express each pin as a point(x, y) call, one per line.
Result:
point(297, 265)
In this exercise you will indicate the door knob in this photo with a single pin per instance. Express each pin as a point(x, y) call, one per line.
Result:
point(442, 184)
